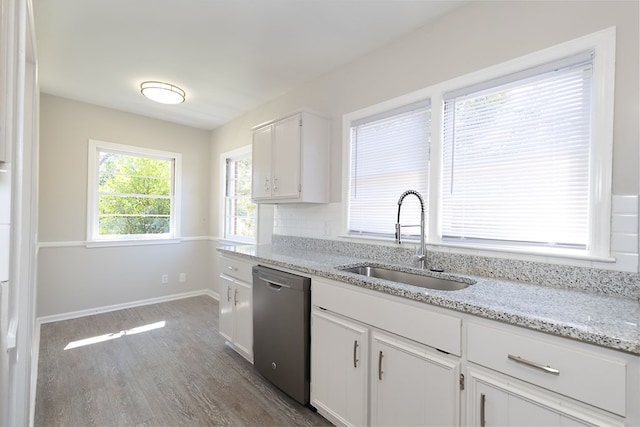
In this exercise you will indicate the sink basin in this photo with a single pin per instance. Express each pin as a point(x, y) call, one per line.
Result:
point(408, 278)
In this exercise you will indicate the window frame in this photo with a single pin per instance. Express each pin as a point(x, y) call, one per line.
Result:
point(238, 153)
point(409, 109)
point(93, 238)
point(601, 154)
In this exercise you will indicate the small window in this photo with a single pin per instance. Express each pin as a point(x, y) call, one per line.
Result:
point(239, 210)
point(389, 155)
point(132, 193)
point(516, 158)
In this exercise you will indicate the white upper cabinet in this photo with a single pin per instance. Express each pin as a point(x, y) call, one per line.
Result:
point(291, 160)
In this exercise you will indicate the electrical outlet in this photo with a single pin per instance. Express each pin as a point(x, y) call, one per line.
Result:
point(183, 277)
point(165, 279)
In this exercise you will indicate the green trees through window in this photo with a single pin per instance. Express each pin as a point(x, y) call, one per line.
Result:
point(134, 194)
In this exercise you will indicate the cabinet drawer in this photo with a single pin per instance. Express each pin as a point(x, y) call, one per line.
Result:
point(236, 268)
point(572, 370)
point(388, 313)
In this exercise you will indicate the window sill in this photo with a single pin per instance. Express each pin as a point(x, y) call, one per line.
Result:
point(509, 252)
point(137, 242)
point(520, 253)
point(232, 241)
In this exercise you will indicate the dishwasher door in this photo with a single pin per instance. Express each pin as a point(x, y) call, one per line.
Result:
point(281, 330)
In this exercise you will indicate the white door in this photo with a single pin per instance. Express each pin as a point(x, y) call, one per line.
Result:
point(411, 386)
point(243, 307)
point(261, 164)
point(339, 368)
point(286, 158)
point(493, 402)
point(225, 319)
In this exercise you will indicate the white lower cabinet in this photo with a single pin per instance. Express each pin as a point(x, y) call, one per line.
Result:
point(411, 385)
point(339, 375)
point(519, 377)
point(496, 400)
point(361, 375)
point(382, 360)
point(235, 321)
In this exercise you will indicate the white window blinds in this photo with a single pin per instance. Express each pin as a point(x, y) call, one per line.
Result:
point(389, 155)
point(516, 157)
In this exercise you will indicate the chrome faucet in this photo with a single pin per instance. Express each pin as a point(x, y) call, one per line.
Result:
point(422, 256)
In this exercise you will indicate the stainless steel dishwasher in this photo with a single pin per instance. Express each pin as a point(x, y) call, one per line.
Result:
point(281, 330)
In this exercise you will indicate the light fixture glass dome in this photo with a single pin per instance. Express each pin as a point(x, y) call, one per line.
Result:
point(163, 93)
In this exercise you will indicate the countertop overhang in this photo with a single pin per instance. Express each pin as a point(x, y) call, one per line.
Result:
point(608, 321)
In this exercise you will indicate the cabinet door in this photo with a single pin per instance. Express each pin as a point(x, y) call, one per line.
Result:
point(411, 385)
point(242, 298)
point(494, 401)
point(500, 408)
point(339, 368)
point(225, 319)
point(261, 163)
point(286, 158)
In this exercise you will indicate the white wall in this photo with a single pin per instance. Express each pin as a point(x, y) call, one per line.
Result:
point(72, 277)
point(475, 36)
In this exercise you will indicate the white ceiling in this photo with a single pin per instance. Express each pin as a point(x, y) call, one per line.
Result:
point(230, 56)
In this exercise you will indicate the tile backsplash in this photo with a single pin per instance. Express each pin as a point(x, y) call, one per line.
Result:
point(624, 232)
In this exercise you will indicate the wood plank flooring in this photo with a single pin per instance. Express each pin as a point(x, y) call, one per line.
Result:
point(180, 374)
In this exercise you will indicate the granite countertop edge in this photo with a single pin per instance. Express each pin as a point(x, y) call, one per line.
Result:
point(610, 322)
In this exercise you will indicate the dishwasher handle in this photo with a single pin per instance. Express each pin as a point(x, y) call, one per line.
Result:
point(276, 286)
point(277, 279)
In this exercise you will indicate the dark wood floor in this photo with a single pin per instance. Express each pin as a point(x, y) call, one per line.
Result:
point(175, 375)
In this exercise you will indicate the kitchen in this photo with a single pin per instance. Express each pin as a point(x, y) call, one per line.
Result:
point(74, 279)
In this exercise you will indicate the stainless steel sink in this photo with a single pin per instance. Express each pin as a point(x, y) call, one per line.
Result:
point(428, 282)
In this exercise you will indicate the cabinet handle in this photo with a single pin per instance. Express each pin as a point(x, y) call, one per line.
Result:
point(548, 369)
point(355, 350)
point(483, 401)
point(235, 298)
point(266, 184)
point(228, 293)
point(231, 268)
point(380, 356)
point(275, 184)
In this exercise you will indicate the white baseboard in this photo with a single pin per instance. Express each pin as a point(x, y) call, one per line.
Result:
point(212, 294)
point(108, 308)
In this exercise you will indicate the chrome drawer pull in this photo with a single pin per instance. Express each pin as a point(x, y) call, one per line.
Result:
point(483, 404)
point(355, 351)
point(547, 369)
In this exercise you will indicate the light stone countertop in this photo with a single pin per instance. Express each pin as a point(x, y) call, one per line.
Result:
point(608, 321)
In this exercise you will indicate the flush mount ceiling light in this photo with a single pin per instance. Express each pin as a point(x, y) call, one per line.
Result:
point(163, 93)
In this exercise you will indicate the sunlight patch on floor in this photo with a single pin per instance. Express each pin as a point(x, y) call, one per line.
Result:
point(112, 336)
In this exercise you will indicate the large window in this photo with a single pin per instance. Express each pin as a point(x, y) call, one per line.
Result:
point(389, 154)
point(239, 210)
point(133, 193)
point(516, 157)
